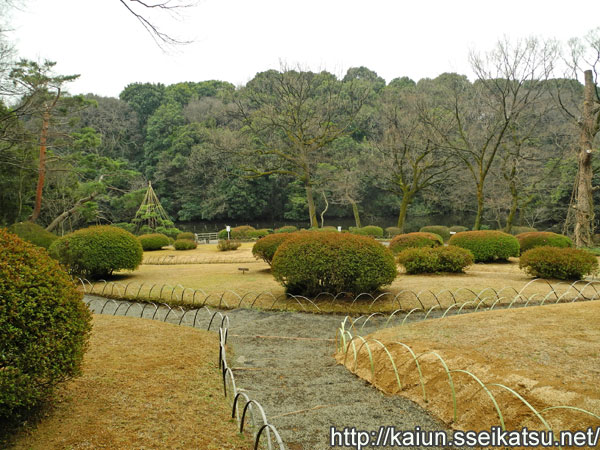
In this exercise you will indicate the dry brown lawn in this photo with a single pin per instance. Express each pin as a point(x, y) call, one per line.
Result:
point(145, 385)
point(549, 354)
point(215, 279)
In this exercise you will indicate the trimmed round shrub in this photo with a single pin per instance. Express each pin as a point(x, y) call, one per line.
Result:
point(392, 231)
point(257, 234)
point(414, 240)
point(98, 251)
point(222, 234)
point(33, 233)
point(437, 259)
point(266, 247)
point(487, 245)
point(286, 229)
point(154, 241)
point(560, 263)
point(241, 232)
point(519, 230)
point(310, 263)
point(533, 239)
point(458, 228)
point(369, 230)
point(184, 244)
point(440, 230)
point(226, 245)
point(187, 235)
point(44, 326)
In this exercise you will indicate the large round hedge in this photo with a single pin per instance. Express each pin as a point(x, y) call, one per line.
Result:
point(186, 235)
point(309, 263)
point(440, 230)
point(98, 251)
point(32, 232)
point(534, 239)
point(44, 325)
point(560, 263)
point(369, 230)
point(266, 247)
point(487, 245)
point(414, 240)
point(154, 241)
point(184, 244)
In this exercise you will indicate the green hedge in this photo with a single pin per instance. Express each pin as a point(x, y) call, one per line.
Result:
point(184, 244)
point(266, 247)
point(438, 259)
point(487, 245)
point(154, 241)
point(458, 229)
point(310, 263)
point(257, 234)
point(226, 245)
point(519, 230)
point(369, 230)
point(414, 240)
point(286, 229)
point(33, 233)
point(560, 263)
point(98, 251)
point(533, 239)
point(440, 230)
point(187, 235)
point(44, 326)
point(392, 231)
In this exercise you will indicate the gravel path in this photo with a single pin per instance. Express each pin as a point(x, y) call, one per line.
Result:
point(284, 360)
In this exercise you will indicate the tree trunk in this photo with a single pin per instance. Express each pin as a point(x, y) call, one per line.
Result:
point(312, 212)
point(584, 203)
point(356, 213)
point(477, 225)
point(325, 210)
point(406, 199)
point(514, 204)
point(42, 167)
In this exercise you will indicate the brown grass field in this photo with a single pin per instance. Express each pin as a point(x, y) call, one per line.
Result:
point(145, 384)
point(218, 277)
point(549, 354)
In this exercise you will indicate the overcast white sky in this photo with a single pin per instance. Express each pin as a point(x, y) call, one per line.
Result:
point(235, 39)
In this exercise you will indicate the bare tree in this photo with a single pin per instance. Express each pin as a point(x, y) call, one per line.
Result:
point(509, 79)
point(583, 58)
point(292, 117)
point(140, 9)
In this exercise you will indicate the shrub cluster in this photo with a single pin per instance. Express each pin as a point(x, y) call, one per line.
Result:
point(413, 240)
point(33, 233)
point(187, 235)
point(244, 232)
point(487, 245)
point(286, 229)
point(519, 230)
point(257, 234)
point(184, 244)
point(560, 263)
point(440, 230)
point(266, 247)
point(226, 245)
point(98, 251)
point(309, 263)
point(392, 231)
point(154, 241)
point(534, 239)
point(44, 326)
point(458, 229)
point(369, 230)
point(437, 259)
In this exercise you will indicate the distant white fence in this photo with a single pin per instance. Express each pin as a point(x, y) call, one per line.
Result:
point(206, 238)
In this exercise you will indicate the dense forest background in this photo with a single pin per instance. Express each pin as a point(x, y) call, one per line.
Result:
point(298, 146)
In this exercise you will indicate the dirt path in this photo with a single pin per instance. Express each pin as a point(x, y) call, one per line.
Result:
point(284, 360)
